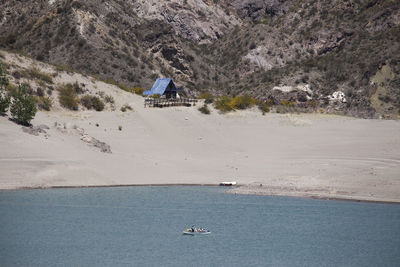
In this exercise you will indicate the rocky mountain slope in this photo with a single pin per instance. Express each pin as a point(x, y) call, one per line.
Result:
point(298, 53)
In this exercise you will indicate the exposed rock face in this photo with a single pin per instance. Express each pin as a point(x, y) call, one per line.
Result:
point(195, 20)
point(257, 9)
point(259, 57)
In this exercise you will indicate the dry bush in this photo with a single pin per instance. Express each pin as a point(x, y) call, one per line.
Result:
point(68, 97)
point(109, 99)
point(264, 107)
point(204, 109)
point(92, 102)
point(44, 103)
point(126, 107)
point(35, 73)
point(208, 98)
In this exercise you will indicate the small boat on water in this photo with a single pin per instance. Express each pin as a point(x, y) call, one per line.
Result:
point(227, 183)
point(196, 231)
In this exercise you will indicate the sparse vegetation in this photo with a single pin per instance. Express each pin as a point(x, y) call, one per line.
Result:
point(138, 90)
point(223, 104)
point(109, 99)
point(116, 83)
point(126, 107)
point(242, 102)
point(68, 97)
point(208, 98)
point(44, 103)
point(35, 73)
point(92, 102)
point(264, 107)
point(226, 103)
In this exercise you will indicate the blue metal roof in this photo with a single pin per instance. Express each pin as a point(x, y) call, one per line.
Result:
point(160, 86)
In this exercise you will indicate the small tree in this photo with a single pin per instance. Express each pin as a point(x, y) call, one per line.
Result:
point(4, 98)
point(23, 107)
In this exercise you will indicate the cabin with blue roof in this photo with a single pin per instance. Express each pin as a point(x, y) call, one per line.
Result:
point(164, 87)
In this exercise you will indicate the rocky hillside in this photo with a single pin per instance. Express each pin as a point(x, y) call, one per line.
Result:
point(302, 53)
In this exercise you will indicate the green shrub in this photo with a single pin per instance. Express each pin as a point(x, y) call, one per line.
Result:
point(4, 97)
point(224, 104)
point(156, 96)
point(3, 77)
point(4, 103)
point(204, 109)
point(138, 90)
point(92, 102)
point(44, 103)
point(23, 107)
point(242, 102)
point(68, 97)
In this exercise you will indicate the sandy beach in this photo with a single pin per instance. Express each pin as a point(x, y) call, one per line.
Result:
point(296, 155)
point(307, 155)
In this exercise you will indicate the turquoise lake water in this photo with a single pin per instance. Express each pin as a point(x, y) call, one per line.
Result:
point(142, 226)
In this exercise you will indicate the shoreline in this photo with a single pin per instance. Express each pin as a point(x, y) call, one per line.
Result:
point(228, 191)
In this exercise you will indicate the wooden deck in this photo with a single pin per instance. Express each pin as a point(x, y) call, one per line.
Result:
point(172, 102)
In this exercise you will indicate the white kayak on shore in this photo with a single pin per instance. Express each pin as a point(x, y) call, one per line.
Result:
point(227, 183)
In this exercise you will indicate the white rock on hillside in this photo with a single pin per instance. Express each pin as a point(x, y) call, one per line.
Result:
point(338, 96)
point(286, 89)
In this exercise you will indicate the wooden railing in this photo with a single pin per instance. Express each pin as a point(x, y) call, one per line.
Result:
point(171, 102)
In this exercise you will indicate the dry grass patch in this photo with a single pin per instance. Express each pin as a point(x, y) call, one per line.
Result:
point(35, 73)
